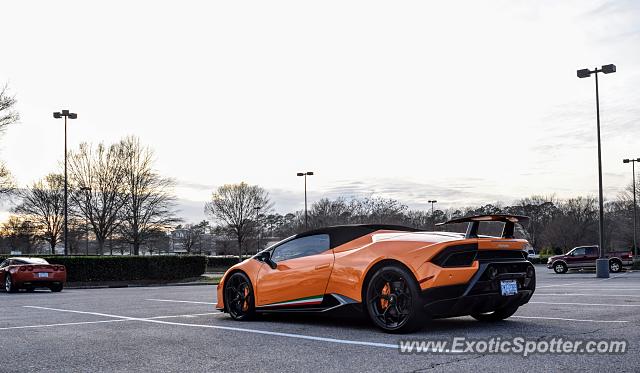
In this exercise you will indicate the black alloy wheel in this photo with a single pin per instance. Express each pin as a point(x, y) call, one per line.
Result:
point(392, 300)
point(238, 297)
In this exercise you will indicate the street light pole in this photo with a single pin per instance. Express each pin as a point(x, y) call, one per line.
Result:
point(432, 202)
point(66, 114)
point(86, 218)
point(602, 264)
point(635, 204)
point(309, 173)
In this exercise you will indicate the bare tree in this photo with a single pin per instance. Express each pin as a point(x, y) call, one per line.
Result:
point(20, 234)
point(149, 199)
point(98, 179)
point(191, 236)
point(7, 117)
point(43, 204)
point(7, 184)
point(234, 206)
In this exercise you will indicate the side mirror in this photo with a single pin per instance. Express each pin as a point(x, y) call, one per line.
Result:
point(266, 257)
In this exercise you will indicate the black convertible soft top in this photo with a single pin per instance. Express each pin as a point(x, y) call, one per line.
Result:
point(341, 234)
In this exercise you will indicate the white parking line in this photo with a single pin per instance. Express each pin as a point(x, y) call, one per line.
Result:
point(590, 295)
point(617, 288)
point(179, 301)
point(590, 286)
point(558, 285)
point(563, 319)
point(105, 321)
point(588, 304)
point(62, 324)
point(191, 315)
point(255, 331)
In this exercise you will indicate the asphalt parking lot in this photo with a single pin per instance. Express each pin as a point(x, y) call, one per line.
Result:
point(178, 329)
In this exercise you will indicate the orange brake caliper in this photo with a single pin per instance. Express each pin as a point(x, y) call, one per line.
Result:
point(386, 290)
point(245, 304)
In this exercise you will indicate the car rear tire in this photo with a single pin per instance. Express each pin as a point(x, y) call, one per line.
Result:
point(238, 297)
point(497, 315)
point(559, 267)
point(9, 286)
point(56, 288)
point(392, 300)
point(615, 266)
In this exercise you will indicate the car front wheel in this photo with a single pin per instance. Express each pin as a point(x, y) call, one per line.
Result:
point(560, 267)
point(238, 297)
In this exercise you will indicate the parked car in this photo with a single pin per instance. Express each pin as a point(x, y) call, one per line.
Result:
point(31, 273)
point(531, 254)
point(585, 257)
point(399, 276)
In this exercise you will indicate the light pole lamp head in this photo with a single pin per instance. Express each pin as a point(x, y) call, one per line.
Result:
point(584, 73)
point(637, 159)
point(300, 174)
point(73, 116)
point(57, 115)
point(626, 161)
point(608, 69)
point(310, 173)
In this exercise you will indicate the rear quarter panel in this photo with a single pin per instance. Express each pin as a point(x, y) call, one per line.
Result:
point(354, 262)
point(351, 266)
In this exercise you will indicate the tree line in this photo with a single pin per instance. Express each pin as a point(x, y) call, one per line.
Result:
point(555, 224)
point(114, 191)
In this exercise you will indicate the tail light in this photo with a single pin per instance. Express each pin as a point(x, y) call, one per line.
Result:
point(55, 268)
point(22, 269)
point(29, 268)
point(61, 268)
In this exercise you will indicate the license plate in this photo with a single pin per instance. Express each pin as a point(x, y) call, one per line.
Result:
point(508, 287)
point(43, 274)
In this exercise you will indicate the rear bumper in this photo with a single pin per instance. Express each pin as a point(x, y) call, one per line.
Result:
point(482, 293)
point(39, 283)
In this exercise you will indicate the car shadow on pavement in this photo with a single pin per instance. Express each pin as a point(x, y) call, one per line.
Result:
point(359, 322)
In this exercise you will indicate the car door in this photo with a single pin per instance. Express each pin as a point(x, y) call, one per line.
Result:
point(577, 257)
point(300, 278)
point(592, 253)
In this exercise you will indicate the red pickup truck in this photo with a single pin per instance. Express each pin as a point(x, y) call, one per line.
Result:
point(585, 257)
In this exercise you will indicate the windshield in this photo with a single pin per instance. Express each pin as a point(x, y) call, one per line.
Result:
point(31, 261)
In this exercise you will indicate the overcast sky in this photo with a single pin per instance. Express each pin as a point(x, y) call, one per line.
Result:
point(466, 102)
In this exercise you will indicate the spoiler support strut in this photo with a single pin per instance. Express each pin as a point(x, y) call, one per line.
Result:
point(474, 222)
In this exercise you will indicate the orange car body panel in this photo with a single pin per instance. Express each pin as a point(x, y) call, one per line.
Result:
point(294, 279)
point(343, 269)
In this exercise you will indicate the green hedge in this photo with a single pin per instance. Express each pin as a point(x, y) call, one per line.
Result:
point(125, 268)
point(221, 263)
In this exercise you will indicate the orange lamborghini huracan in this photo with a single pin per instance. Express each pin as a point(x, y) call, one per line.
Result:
point(400, 277)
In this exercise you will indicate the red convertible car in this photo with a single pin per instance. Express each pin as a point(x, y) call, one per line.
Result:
point(31, 273)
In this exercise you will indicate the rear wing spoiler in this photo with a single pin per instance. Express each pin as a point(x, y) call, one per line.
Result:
point(474, 221)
